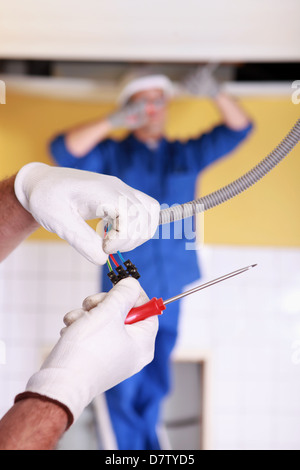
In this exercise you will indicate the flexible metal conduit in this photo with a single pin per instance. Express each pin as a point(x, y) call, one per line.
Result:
point(202, 204)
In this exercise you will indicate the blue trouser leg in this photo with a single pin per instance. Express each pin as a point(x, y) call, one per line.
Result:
point(134, 405)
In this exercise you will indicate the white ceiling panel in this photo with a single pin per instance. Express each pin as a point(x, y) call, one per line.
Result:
point(156, 30)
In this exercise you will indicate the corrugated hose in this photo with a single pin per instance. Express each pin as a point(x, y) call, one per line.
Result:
point(226, 193)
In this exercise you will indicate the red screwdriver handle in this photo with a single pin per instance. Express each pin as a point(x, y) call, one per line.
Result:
point(150, 309)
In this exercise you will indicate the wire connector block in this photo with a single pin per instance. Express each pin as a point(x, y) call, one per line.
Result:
point(131, 269)
point(113, 277)
point(122, 273)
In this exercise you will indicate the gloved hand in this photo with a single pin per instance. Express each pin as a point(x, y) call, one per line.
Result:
point(96, 352)
point(202, 81)
point(61, 199)
point(93, 301)
point(132, 116)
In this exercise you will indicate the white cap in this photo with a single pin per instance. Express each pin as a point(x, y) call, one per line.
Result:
point(148, 82)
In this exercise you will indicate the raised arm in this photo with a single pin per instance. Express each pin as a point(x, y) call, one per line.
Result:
point(202, 82)
point(232, 113)
point(83, 138)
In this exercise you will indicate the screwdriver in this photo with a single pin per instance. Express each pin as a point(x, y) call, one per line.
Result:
point(157, 306)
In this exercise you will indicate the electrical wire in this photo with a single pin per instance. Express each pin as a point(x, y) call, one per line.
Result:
point(236, 187)
point(130, 268)
point(109, 265)
point(107, 229)
point(121, 257)
point(114, 261)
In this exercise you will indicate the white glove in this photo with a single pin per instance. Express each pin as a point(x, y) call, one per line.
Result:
point(96, 352)
point(61, 199)
point(202, 81)
point(93, 301)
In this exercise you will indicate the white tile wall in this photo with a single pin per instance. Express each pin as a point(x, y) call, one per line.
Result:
point(39, 284)
point(250, 325)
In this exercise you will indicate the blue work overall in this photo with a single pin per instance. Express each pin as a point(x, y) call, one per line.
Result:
point(168, 173)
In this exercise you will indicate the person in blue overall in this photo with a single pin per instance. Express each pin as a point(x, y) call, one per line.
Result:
point(167, 171)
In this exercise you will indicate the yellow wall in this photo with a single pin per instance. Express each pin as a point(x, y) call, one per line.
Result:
point(267, 214)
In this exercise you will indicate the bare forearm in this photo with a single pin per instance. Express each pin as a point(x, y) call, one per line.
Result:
point(83, 139)
point(32, 424)
point(15, 222)
point(233, 115)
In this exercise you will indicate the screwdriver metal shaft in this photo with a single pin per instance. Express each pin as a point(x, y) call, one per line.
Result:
point(208, 284)
point(157, 306)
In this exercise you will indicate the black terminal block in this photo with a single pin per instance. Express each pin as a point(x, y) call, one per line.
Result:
point(121, 273)
point(131, 269)
point(113, 277)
